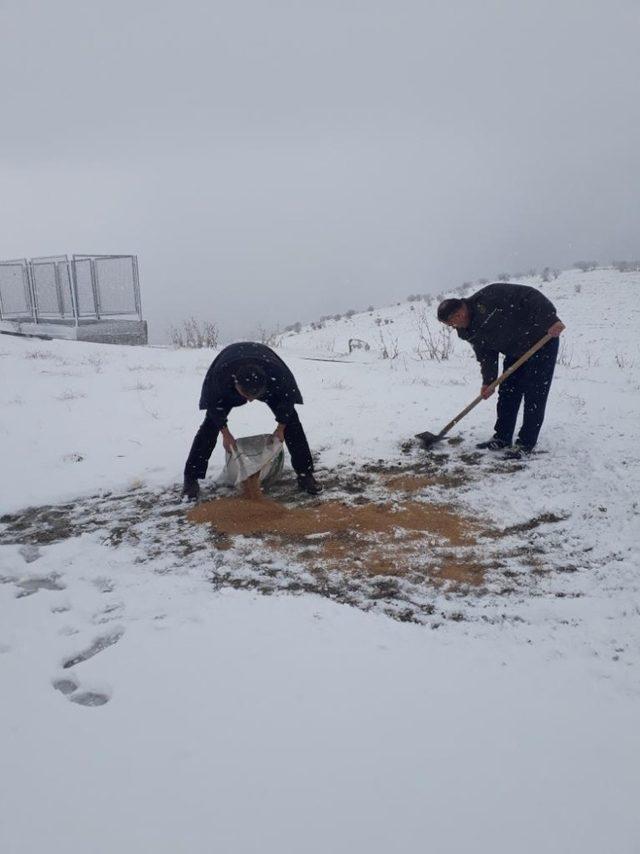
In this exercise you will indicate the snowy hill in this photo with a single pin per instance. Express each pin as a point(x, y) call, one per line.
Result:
point(164, 690)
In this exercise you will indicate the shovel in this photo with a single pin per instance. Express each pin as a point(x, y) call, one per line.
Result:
point(428, 439)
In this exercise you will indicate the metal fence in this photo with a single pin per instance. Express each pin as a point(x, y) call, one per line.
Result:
point(84, 288)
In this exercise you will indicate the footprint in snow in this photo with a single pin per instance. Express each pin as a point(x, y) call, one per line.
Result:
point(71, 690)
point(30, 552)
point(29, 586)
point(101, 643)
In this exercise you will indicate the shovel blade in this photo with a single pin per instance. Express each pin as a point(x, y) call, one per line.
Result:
point(428, 439)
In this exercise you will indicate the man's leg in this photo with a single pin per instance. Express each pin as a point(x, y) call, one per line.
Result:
point(201, 449)
point(301, 461)
point(296, 442)
point(510, 394)
point(538, 376)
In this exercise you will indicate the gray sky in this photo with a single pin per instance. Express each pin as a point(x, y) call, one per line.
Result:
point(273, 161)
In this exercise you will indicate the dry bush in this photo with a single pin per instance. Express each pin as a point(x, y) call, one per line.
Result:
point(565, 354)
point(357, 344)
point(268, 336)
point(436, 346)
point(194, 335)
point(389, 349)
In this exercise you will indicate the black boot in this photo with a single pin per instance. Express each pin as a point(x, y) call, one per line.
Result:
point(494, 444)
point(308, 483)
point(518, 452)
point(191, 489)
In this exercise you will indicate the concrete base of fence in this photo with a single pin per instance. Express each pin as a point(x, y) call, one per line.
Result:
point(98, 331)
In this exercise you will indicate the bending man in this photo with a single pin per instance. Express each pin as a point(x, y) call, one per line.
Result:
point(509, 319)
point(239, 374)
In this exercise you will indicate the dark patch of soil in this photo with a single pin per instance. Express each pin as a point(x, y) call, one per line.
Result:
point(371, 555)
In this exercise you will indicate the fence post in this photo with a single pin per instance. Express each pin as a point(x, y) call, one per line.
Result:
point(95, 287)
point(31, 290)
point(136, 286)
point(71, 265)
point(56, 275)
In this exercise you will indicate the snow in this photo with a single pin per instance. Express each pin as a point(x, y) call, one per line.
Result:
point(235, 721)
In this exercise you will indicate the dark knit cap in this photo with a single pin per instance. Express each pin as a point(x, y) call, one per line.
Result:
point(448, 307)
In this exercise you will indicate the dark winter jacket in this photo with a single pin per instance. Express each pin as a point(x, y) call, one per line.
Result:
point(507, 319)
point(219, 394)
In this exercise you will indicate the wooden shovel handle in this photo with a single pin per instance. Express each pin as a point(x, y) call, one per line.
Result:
point(494, 385)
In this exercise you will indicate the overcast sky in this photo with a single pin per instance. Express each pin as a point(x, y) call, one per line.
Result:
point(277, 160)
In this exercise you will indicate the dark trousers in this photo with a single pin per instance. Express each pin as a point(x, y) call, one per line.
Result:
point(207, 436)
point(532, 382)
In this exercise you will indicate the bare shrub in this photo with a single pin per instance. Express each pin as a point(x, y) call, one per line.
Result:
point(436, 346)
point(504, 277)
point(95, 361)
point(389, 349)
point(623, 361)
point(39, 354)
point(565, 354)
point(68, 394)
point(585, 266)
point(194, 335)
point(358, 344)
point(267, 336)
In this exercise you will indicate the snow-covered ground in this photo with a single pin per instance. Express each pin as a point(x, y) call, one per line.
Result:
point(153, 699)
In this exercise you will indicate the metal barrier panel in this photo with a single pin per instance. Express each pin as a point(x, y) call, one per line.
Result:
point(51, 284)
point(15, 297)
point(90, 287)
point(116, 284)
point(84, 288)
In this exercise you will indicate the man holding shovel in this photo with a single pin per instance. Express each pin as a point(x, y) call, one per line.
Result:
point(510, 319)
point(239, 374)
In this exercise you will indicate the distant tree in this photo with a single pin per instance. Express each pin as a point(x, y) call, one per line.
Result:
point(350, 313)
point(504, 277)
point(585, 266)
point(546, 274)
point(626, 266)
point(483, 282)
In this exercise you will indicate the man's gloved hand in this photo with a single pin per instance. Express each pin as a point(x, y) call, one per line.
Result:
point(228, 442)
point(555, 330)
point(486, 391)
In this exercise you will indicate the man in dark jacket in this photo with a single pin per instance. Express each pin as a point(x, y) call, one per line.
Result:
point(239, 374)
point(509, 319)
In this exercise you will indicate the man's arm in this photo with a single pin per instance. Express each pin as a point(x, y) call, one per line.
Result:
point(283, 410)
point(217, 415)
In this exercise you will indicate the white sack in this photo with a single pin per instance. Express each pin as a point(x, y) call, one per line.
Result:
point(263, 453)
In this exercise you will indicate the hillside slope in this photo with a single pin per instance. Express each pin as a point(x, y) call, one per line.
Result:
point(165, 689)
